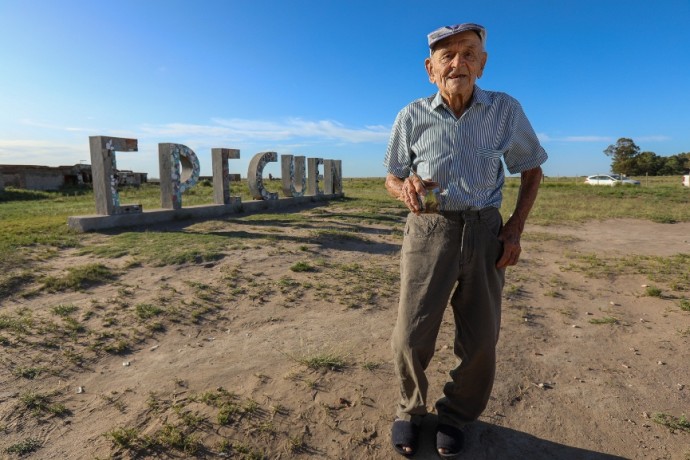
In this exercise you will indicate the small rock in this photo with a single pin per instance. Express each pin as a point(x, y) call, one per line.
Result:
point(126, 363)
point(681, 386)
point(660, 363)
point(80, 390)
point(589, 313)
point(645, 414)
point(154, 347)
point(644, 285)
point(625, 366)
point(575, 326)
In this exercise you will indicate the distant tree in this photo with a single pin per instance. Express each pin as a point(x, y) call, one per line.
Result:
point(647, 163)
point(626, 159)
point(623, 154)
point(674, 165)
point(685, 160)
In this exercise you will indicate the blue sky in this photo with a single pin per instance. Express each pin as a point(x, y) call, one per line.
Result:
point(327, 78)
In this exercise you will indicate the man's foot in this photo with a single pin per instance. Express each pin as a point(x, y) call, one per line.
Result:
point(449, 441)
point(404, 436)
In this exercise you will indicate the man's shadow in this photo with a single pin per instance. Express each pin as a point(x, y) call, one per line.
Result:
point(492, 442)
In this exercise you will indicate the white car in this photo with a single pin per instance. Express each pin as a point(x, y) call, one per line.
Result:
point(686, 180)
point(610, 179)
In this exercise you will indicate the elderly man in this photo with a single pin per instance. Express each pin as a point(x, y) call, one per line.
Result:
point(454, 142)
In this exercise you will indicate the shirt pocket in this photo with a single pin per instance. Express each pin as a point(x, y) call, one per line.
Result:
point(489, 153)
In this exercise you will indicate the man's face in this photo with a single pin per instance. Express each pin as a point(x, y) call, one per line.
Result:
point(455, 65)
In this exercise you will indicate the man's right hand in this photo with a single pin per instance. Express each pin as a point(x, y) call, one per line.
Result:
point(407, 190)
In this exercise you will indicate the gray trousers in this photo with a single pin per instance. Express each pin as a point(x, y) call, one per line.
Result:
point(449, 256)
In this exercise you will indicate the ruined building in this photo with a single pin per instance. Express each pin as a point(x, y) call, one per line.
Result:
point(32, 177)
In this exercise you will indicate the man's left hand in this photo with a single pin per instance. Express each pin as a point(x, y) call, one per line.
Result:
point(511, 231)
point(510, 237)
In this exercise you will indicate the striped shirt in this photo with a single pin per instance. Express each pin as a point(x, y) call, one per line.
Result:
point(464, 154)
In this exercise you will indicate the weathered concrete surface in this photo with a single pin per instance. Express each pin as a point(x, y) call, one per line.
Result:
point(313, 176)
point(294, 175)
point(179, 171)
point(222, 177)
point(158, 216)
point(103, 167)
point(255, 176)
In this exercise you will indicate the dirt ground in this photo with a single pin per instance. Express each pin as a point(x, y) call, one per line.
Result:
point(566, 387)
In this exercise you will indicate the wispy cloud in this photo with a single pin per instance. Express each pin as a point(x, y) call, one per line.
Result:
point(587, 139)
point(543, 137)
point(656, 138)
point(51, 153)
point(38, 124)
point(244, 130)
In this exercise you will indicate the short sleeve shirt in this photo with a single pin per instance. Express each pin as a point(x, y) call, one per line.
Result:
point(466, 154)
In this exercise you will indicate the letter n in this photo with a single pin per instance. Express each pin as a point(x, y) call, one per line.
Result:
point(332, 177)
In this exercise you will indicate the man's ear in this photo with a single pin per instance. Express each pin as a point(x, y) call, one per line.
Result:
point(481, 68)
point(429, 69)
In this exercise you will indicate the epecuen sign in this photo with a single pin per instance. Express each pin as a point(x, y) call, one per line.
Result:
point(179, 171)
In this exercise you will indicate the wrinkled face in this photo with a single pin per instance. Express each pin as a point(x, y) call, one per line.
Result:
point(455, 65)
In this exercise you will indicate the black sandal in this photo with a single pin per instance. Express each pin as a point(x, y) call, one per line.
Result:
point(405, 434)
point(451, 440)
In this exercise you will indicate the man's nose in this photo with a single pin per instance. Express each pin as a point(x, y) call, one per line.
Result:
point(457, 60)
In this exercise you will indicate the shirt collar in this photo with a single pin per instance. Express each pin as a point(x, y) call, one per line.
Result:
point(479, 96)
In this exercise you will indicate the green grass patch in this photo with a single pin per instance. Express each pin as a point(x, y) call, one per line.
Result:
point(39, 403)
point(171, 436)
point(339, 235)
point(147, 311)
point(123, 437)
point(570, 200)
point(64, 310)
point(302, 267)
point(79, 278)
point(684, 304)
point(324, 361)
point(604, 320)
point(672, 423)
point(25, 447)
point(162, 248)
point(29, 373)
point(652, 291)
point(671, 270)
